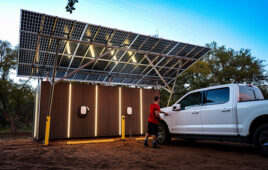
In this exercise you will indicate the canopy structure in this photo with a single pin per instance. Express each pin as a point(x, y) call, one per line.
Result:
point(59, 48)
point(93, 53)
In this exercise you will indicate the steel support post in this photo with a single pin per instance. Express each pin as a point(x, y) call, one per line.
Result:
point(51, 95)
point(151, 63)
point(174, 83)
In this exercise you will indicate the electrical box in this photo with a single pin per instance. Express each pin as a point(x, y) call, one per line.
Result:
point(129, 110)
point(83, 111)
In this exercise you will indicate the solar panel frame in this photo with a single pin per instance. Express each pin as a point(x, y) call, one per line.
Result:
point(81, 42)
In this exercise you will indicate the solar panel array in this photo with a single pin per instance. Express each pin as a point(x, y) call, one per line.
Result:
point(37, 50)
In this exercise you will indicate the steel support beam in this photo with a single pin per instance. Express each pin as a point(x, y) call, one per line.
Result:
point(191, 64)
point(83, 66)
point(77, 46)
point(174, 84)
point(128, 48)
point(160, 60)
point(51, 95)
point(104, 48)
point(177, 63)
point(36, 57)
point(49, 44)
point(164, 81)
point(111, 46)
point(144, 58)
point(165, 89)
point(101, 59)
point(106, 73)
point(67, 39)
point(133, 54)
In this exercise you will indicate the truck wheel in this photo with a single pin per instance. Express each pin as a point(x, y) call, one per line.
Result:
point(260, 139)
point(163, 136)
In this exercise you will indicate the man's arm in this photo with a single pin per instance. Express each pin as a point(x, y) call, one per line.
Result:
point(163, 112)
point(157, 114)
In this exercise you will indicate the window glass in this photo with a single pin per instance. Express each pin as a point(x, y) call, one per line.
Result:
point(258, 94)
point(249, 93)
point(217, 96)
point(193, 99)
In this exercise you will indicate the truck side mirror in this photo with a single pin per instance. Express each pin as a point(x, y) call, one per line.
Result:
point(176, 107)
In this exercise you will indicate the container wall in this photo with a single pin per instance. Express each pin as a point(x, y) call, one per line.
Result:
point(131, 98)
point(82, 95)
point(59, 114)
point(106, 106)
point(108, 111)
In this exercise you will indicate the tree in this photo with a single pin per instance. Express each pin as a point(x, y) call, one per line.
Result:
point(220, 66)
point(7, 59)
point(70, 6)
point(230, 66)
point(16, 99)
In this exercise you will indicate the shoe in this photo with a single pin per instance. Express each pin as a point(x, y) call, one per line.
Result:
point(146, 144)
point(156, 146)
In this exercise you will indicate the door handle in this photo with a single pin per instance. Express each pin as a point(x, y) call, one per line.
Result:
point(196, 112)
point(226, 110)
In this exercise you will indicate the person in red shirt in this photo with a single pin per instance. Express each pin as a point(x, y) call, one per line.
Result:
point(153, 121)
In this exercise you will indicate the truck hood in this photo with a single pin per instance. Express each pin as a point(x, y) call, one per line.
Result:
point(167, 110)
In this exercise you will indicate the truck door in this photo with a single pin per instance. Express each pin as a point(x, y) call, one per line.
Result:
point(188, 120)
point(217, 112)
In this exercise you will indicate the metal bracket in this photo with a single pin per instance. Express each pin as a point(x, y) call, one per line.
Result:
point(151, 63)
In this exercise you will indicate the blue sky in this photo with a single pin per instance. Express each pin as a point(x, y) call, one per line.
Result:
point(234, 23)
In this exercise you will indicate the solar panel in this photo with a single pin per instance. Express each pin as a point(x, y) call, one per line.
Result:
point(131, 59)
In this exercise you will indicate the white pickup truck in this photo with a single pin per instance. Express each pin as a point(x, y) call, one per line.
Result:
point(231, 112)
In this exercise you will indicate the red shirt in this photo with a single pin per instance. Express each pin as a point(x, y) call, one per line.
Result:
point(152, 118)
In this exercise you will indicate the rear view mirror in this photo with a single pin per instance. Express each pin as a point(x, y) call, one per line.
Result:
point(176, 107)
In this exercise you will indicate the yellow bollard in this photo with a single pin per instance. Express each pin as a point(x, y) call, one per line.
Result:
point(47, 130)
point(123, 128)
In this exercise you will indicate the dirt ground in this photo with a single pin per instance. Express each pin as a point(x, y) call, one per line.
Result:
point(21, 152)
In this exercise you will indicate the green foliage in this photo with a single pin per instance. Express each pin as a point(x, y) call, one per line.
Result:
point(7, 59)
point(70, 6)
point(220, 66)
point(264, 90)
point(16, 99)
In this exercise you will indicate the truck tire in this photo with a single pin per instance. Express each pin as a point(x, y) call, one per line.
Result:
point(163, 136)
point(260, 139)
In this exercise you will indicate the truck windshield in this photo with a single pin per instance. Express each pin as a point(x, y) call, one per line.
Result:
point(249, 94)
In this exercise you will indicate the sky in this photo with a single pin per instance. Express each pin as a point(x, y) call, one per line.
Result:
point(234, 23)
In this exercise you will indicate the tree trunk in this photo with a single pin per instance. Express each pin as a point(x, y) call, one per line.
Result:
point(12, 124)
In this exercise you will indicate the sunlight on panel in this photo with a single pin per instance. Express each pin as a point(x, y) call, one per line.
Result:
point(141, 114)
point(107, 36)
point(114, 57)
point(134, 59)
point(66, 30)
point(68, 48)
point(69, 110)
point(120, 111)
point(37, 56)
point(91, 51)
point(96, 110)
point(88, 33)
point(129, 53)
point(126, 41)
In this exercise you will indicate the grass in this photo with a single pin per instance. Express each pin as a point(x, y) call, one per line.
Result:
point(4, 130)
point(20, 129)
